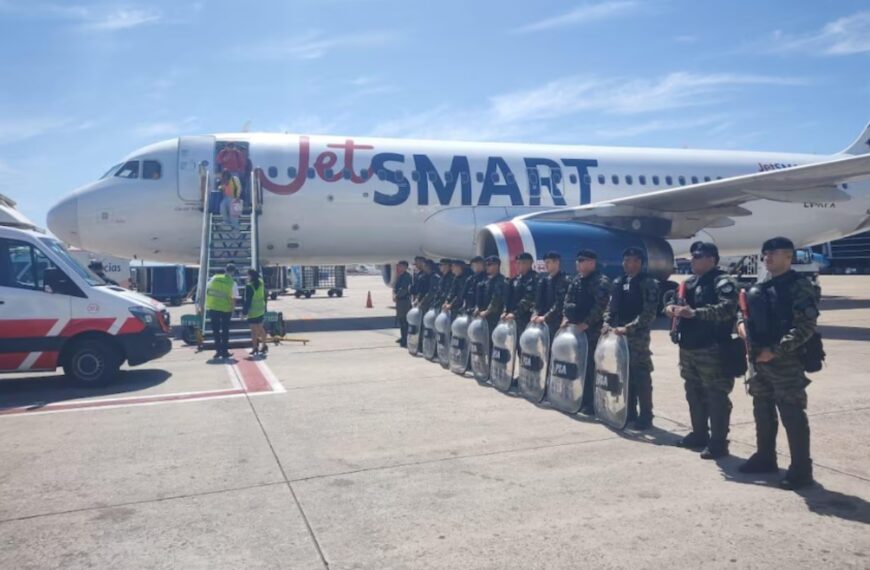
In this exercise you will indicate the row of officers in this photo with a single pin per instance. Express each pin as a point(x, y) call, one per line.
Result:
point(706, 314)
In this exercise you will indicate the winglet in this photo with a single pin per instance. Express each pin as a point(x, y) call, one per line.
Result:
point(861, 144)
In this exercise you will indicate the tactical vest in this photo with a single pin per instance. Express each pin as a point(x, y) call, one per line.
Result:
point(547, 288)
point(490, 286)
point(770, 309)
point(517, 290)
point(584, 299)
point(258, 302)
point(627, 299)
point(697, 333)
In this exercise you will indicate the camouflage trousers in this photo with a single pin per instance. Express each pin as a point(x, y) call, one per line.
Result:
point(782, 380)
point(638, 350)
point(707, 389)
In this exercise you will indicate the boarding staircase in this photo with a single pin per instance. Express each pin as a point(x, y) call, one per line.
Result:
point(220, 246)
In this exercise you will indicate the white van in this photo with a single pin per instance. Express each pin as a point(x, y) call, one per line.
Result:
point(56, 313)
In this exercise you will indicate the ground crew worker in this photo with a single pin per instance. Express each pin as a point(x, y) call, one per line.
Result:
point(254, 310)
point(585, 304)
point(779, 381)
point(402, 299)
point(523, 290)
point(445, 283)
point(428, 286)
point(707, 316)
point(633, 305)
point(220, 302)
point(455, 298)
point(470, 294)
point(550, 298)
point(493, 293)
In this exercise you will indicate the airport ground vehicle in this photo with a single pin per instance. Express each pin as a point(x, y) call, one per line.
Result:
point(307, 279)
point(56, 313)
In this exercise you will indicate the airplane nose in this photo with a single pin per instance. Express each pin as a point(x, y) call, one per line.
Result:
point(63, 221)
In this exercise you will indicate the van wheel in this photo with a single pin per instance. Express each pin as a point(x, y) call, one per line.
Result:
point(92, 363)
point(188, 335)
point(273, 295)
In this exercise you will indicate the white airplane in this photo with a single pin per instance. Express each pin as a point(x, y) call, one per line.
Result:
point(343, 200)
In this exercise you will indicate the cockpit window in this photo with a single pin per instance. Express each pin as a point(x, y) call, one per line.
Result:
point(111, 171)
point(129, 170)
point(151, 170)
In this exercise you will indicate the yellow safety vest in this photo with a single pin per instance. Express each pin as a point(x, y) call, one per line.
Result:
point(219, 294)
point(258, 302)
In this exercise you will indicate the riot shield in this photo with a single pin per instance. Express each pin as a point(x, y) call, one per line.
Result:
point(568, 357)
point(415, 320)
point(442, 338)
point(459, 345)
point(478, 341)
point(534, 356)
point(429, 334)
point(504, 345)
point(611, 380)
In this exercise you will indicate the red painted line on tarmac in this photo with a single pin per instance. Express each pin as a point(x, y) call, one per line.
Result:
point(120, 402)
point(252, 377)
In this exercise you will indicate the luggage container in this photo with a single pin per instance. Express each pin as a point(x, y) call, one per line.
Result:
point(275, 278)
point(161, 282)
point(307, 279)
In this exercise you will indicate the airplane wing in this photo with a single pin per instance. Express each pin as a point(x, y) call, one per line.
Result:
point(683, 211)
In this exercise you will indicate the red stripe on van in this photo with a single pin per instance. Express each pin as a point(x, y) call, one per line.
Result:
point(19, 328)
point(76, 326)
point(12, 360)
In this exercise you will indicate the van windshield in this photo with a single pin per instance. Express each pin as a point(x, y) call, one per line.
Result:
point(59, 250)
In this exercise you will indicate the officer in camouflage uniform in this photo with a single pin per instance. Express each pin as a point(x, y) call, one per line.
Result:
point(470, 292)
point(779, 381)
point(445, 282)
point(550, 298)
point(585, 304)
point(523, 290)
point(707, 317)
point(492, 293)
point(461, 274)
point(402, 299)
point(633, 305)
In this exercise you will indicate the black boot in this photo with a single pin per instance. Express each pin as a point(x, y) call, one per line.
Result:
point(797, 429)
point(644, 400)
point(720, 417)
point(698, 415)
point(766, 426)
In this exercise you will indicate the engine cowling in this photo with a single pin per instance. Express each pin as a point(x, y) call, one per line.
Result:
point(508, 239)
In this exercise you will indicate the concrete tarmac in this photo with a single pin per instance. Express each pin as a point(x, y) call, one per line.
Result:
point(356, 455)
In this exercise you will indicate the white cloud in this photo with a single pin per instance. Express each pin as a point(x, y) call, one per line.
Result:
point(846, 36)
point(120, 19)
point(312, 45)
point(560, 105)
point(23, 128)
point(582, 15)
point(166, 128)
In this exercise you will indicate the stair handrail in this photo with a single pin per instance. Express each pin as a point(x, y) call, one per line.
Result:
point(255, 226)
point(205, 239)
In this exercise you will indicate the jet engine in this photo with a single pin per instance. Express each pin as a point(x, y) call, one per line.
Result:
point(508, 239)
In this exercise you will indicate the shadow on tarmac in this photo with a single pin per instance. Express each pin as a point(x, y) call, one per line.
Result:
point(38, 392)
point(819, 500)
point(835, 332)
point(341, 324)
point(843, 304)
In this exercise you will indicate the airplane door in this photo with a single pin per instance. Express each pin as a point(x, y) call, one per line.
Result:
point(192, 152)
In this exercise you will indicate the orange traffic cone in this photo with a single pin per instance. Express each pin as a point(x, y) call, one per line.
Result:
point(369, 304)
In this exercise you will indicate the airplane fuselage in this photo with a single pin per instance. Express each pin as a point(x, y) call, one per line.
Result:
point(335, 200)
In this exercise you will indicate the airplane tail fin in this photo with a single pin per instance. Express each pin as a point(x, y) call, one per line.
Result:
point(861, 144)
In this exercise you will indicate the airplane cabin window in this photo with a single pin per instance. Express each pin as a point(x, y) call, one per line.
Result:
point(614, 179)
point(587, 179)
point(129, 170)
point(495, 177)
point(642, 180)
point(694, 179)
point(629, 179)
point(706, 179)
point(291, 172)
point(111, 171)
point(601, 179)
point(655, 180)
point(448, 176)
point(151, 170)
point(480, 176)
point(273, 172)
point(311, 173)
point(415, 176)
point(557, 175)
point(682, 180)
point(382, 174)
point(573, 179)
point(328, 173)
point(669, 180)
point(346, 173)
point(718, 178)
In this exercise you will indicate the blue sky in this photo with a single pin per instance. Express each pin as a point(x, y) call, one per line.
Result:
point(85, 83)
